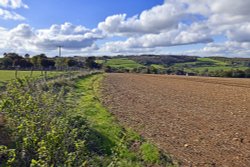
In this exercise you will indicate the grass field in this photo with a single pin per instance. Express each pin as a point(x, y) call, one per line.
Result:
point(6, 75)
point(207, 64)
point(216, 62)
point(202, 62)
point(215, 68)
point(156, 66)
point(122, 63)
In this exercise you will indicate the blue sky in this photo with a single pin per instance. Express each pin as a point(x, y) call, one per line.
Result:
point(97, 27)
point(44, 13)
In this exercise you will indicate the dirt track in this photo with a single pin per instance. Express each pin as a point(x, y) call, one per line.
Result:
point(199, 121)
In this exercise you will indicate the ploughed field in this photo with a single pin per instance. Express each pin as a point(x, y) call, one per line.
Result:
point(199, 121)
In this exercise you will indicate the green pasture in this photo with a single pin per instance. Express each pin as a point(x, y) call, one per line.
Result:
point(6, 75)
point(122, 63)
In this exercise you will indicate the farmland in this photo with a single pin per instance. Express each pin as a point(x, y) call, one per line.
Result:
point(179, 65)
point(208, 65)
point(200, 121)
point(7, 75)
point(122, 63)
point(70, 126)
point(127, 119)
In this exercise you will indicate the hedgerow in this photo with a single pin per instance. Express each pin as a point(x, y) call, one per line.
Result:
point(41, 133)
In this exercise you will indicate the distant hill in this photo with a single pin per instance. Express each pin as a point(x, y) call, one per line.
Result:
point(174, 64)
point(156, 64)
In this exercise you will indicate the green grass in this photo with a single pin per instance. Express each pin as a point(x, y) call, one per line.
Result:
point(216, 62)
point(122, 63)
point(150, 153)
point(100, 61)
point(160, 67)
point(225, 68)
point(213, 68)
point(101, 120)
point(202, 62)
point(6, 75)
point(115, 140)
point(208, 64)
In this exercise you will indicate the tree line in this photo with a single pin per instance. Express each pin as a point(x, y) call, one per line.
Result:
point(15, 61)
point(232, 73)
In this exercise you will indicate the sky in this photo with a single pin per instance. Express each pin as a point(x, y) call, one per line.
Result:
point(114, 27)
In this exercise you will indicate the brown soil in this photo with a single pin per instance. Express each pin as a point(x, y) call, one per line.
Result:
point(199, 121)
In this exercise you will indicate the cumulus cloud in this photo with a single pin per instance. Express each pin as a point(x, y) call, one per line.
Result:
point(14, 4)
point(181, 22)
point(67, 35)
point(173, 23)
point(8, 15)
point(180, 36)
point(71, 37)
point(229, 48)
point(162, 26)
point(21, 31)
point(240, 33)
point(122, 48)
point(155, 20)
point(220, 15)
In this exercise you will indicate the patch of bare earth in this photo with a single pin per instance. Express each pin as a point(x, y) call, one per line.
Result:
point(199, 121)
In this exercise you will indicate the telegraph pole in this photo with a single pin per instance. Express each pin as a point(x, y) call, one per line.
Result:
point(60, 51)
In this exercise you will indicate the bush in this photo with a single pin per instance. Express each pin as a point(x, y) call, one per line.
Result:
point(150, 153)
point(41, 132)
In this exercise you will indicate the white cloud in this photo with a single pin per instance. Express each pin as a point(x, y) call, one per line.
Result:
point(22, 30)
point(8, 15)
point(229, 48)
point(220, 14)
point(182, 22)
point(240, 33)
point(123, 48)
point(183, 35)
point(155, 20)
point(175, 22)
point(14, 4)
point(71, 37)
point(66, 35)
point(158, 27)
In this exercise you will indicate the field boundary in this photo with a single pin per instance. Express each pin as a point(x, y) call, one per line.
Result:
point(127, 146)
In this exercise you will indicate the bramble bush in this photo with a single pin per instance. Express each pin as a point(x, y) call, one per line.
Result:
point(41, 132)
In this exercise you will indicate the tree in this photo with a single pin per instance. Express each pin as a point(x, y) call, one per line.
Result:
point(34, 61)
point(37, 60)
point(13, 56)
point(90, 63)
point(61, 63)
point(27, 56)
point(71, 62)
point(47, 63)
point(238, 74)
point(7, 62)
point(247, 73)
point(22, 63)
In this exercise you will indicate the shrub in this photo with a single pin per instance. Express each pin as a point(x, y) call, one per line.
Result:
point(150, 153)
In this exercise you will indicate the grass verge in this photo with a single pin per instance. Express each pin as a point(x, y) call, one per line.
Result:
point(121, 147)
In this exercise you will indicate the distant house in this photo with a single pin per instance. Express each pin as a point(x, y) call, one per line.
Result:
point(190, 74)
